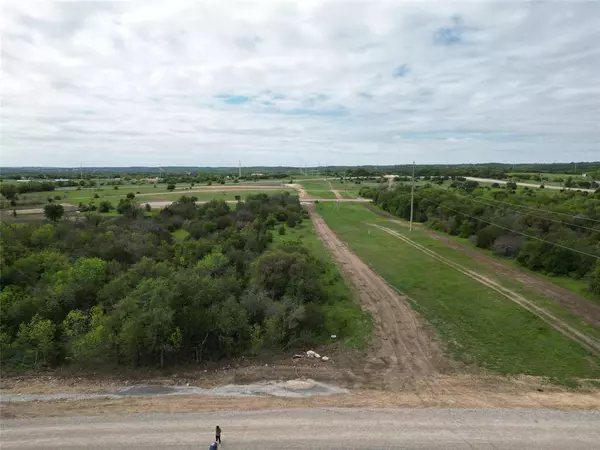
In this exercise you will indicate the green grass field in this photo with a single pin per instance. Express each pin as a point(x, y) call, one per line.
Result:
point(343, 315)
point(322, 189)
point(320, 194)
point(579, 287)
point(143, 193)
point(479, 325)
point(180, 235)
point(508, 282)
point(205, 196)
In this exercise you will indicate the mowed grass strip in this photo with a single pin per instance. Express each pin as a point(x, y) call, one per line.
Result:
point(479, 325)
point(343, 315)
point(320, 194)
point(516, 286)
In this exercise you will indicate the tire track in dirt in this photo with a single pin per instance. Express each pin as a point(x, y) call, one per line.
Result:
point(402, 349)
point(302, 194)
point(590, 343)
point(576, 304)
point(335, 191)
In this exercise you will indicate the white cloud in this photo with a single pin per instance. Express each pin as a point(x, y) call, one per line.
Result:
point(147, 83)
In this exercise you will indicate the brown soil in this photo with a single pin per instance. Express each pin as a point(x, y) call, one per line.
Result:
point(588, 342)
point(462, 391)
point(402, 349)
point(302, 194)
point(576, 304)
point(335, 192)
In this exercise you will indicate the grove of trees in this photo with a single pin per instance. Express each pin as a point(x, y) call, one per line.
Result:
point(124, 291)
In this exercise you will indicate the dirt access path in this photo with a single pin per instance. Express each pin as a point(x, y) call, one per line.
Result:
point(326, 429)
point(576, 304)
point(588, 342)
point(335, 191)
point(302, 194)
point(402, 349)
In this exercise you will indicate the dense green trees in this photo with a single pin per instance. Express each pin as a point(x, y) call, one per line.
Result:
point(487, 215)
point(54, 211)
point(122, 291)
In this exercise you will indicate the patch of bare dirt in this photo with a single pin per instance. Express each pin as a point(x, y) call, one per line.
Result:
point(302, 194)
point(335, 191)
point(339, 370)
point(462, 391)
point(402, 349)
point(576, 304)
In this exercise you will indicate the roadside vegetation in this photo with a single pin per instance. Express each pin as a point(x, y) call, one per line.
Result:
point(190, 283)
point(479, 325)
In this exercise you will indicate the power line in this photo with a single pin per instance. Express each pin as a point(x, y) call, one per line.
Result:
point(546, 210)
point(533, 215)
point(515, 231)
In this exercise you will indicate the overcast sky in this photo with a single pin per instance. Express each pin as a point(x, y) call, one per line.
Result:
point(101, 83)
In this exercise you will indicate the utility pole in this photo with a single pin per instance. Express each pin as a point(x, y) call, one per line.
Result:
point(240, 170)
point(412, 198)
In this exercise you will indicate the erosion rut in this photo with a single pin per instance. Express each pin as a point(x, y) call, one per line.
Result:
point(402, 349)
point(588, 342)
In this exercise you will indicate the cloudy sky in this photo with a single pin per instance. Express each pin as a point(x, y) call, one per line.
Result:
point(101, 83)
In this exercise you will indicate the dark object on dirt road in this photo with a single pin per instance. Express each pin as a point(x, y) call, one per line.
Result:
point(213, 446)
point(218, 434)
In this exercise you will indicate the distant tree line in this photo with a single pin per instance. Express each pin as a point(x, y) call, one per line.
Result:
point(191, 174)
point(124, 291)
point(11, 190)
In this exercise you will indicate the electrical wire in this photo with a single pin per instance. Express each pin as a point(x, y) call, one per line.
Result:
point(533, 215)
point(546, 210)
point(514, 231)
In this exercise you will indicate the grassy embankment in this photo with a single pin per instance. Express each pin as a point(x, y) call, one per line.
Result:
point(479, 325)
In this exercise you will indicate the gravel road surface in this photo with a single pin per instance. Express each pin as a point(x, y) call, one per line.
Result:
point(316, 429)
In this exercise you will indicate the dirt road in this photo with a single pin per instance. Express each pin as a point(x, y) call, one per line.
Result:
point(335, 191)
point(315, 428)
point(588, 342)
point(402, 349)
point(302, 194)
